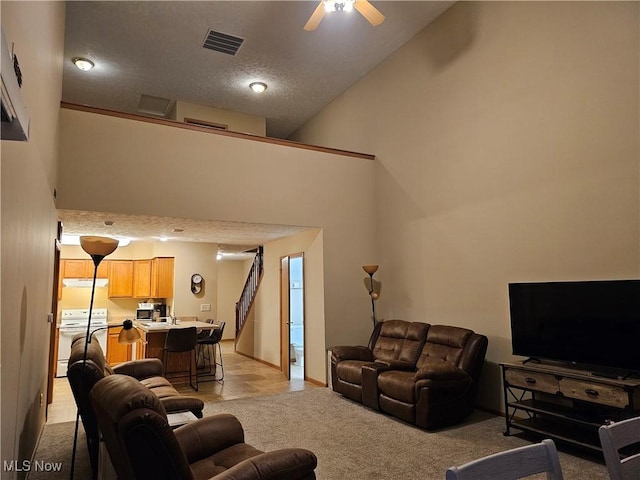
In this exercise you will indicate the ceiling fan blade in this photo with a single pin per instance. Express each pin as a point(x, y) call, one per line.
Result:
point(315, 18)
point(368, 11)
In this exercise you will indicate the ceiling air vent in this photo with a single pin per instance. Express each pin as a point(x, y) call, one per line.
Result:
point(221, 42)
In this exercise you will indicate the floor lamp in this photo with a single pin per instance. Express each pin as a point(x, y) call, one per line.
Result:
point(97, 248)
point(373, 293)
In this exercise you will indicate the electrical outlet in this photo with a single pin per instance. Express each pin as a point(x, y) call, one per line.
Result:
point(41, 399)
point(205, 307)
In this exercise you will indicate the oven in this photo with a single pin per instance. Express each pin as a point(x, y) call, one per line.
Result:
point(73, 322)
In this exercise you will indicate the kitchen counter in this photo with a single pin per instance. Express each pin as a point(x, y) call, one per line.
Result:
point(164, 326)
point(152, 343)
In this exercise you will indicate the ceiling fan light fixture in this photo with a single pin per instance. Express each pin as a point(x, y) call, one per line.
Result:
point(338, 5)
point(258, 87)
point(83, 64)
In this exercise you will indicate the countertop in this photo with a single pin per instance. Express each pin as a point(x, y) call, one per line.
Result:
point(164, 326)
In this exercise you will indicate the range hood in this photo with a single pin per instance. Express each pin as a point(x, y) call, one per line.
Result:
point(84, 282)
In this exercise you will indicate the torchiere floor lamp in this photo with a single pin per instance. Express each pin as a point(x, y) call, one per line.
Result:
point(97, 248)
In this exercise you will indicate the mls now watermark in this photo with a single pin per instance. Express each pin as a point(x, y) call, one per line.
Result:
point(30, 466)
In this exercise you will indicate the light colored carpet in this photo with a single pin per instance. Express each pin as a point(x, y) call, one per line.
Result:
point(354, 442)
point(350, 440)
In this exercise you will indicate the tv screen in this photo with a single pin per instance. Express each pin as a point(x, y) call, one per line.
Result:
point(592, 322)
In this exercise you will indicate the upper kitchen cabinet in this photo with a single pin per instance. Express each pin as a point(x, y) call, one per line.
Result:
point(81, 268)
point(121, 278)
point(162, 277)
point(142, 278)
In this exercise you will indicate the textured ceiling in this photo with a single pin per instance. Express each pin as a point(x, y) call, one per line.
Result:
point(232, 237)
point(155, 48)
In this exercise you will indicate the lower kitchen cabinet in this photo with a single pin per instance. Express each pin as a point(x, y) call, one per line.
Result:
point(117, 352)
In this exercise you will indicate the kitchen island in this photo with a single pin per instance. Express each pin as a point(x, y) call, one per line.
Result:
point(151, 344)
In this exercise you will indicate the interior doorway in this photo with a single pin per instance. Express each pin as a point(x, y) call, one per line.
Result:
point(292, 316)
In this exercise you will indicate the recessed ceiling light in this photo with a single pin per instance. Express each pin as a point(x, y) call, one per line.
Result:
point(258, 87)
point(83, 64)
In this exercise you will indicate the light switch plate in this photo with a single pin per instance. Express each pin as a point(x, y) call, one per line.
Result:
point(205, 307)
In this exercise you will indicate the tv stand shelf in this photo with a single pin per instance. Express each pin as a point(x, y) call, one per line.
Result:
point(564, 403)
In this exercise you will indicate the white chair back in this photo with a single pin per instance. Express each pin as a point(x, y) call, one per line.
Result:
point(512, 464)
point(615, 437)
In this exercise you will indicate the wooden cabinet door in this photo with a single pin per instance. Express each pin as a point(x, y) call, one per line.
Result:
point(82, 268)
point(121, 278)
point(117, 352)
point(162, 277)
point(76, 268)
point(142, 278)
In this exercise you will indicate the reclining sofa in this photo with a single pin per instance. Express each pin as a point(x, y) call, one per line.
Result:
point(147, 371)
point(423, 374)
point(142, 445)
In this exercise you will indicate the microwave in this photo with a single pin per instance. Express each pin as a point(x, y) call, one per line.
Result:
point(144, 314)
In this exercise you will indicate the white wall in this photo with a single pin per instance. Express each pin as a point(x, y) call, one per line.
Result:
point(507, 143)
point(28, 172)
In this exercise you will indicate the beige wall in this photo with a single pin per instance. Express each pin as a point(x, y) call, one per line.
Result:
point(229, 179)
point(507, 144)
point(29, 218)
point(235, 121)
point(261, 338)
point(231, 278)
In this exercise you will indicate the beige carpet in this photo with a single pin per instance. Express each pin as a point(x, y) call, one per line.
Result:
point(351, 441)
point(354, 442)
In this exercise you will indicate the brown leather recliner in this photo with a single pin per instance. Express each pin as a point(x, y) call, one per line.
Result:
point(395, 344)
point(148, 371)
point(142, 445)
point(442, 389)
point(424, 374)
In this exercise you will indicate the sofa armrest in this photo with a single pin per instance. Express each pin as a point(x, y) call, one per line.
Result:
point(338, 354)
point(144, 368)
point(395, 365)
point(290, 463)
point(182, 403)
point(209, 435)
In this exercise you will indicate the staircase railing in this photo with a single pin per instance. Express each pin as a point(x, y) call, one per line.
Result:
point(243, 306)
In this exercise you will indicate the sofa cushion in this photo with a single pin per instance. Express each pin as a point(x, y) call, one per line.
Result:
point(399, 385)
point(444, 342)
point(400, 340)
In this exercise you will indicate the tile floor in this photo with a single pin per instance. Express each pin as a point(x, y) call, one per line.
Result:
point(244, 377)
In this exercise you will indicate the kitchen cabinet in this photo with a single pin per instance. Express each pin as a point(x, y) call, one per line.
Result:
point(117, 352)
point(82, 268)
point(120, 278)
point(142, 279)
point(162, 277)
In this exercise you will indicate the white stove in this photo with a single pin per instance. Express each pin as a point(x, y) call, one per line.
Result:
point(74, 321)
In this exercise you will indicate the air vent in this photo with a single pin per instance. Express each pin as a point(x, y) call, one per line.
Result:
point(221, 42)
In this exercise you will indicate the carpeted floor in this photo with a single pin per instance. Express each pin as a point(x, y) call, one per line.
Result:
point(55, 450)
point(351, 441)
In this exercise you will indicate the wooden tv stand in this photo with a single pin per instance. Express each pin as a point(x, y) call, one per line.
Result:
point(565, 404)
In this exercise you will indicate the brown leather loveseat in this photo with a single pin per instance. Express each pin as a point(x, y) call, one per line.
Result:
point(147, 371)
point(423, 374)
point(142, 445)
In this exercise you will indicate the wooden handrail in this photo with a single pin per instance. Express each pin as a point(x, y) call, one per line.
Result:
point(227, 133)
point(248, 295)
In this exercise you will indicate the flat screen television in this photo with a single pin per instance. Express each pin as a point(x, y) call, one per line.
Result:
point(591, 323)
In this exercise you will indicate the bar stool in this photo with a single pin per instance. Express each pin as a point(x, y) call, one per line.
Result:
point(181, 340)
point(207, 341)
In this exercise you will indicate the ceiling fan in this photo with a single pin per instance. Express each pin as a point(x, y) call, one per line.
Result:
point(368, 11)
